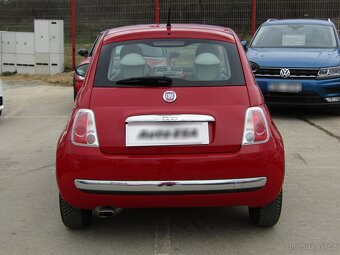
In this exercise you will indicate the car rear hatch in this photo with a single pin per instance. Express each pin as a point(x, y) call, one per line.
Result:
point(140, 121)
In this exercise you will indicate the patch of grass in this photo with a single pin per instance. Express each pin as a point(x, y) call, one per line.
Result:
point(8, 73)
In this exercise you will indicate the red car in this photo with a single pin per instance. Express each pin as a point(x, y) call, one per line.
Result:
point(193, 132)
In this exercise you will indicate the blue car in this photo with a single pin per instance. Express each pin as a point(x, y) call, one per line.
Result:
point(296, 63)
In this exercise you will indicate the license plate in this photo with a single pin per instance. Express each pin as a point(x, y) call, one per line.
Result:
point(166, 133)
point(285, 87)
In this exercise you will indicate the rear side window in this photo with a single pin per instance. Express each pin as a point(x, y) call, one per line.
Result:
point(187, 62)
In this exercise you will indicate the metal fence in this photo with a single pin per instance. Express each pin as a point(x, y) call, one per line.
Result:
point(95, 16)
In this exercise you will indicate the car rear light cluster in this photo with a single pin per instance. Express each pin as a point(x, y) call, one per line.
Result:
point(255, 127)
point(84, 131)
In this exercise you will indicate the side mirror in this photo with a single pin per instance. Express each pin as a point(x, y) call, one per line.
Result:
point(244, 45)
point(81, 71)
point(83, 52)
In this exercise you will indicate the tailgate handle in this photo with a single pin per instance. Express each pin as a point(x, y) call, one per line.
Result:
point(171, 118)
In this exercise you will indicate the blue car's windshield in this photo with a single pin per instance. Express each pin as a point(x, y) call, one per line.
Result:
point(295, 36)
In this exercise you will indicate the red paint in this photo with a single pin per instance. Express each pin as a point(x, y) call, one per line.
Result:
point(73, 34)
point(157, 12)
point(253, 22)
point(223, 158)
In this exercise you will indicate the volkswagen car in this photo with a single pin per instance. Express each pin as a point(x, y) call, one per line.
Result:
point(192, 132)
point(296, 63)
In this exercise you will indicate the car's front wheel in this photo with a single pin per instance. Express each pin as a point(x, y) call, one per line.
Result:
point(336, 111)
point(268, 215)
point(74, 218)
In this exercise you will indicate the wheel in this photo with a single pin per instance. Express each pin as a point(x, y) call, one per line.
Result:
point(336, 111)
point(266, 216)
point(74, 93)
point(74, 218)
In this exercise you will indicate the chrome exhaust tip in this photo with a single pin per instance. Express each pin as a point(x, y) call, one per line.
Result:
point(107, 211)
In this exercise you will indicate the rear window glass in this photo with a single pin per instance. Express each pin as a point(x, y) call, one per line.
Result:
point(187, 62)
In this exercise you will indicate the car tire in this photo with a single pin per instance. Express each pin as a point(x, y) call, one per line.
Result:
point(74, 93)
point(336, 111)
point(0, 112)
point(268, 215)
point(74, 218)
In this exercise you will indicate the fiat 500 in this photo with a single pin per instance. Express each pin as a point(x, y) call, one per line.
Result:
point(192, 132)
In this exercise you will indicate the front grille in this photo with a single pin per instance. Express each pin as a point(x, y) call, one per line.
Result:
point(293, 98)
point(294, 73)
point(1, 101)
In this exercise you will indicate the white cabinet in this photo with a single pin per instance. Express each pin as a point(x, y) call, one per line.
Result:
point(56, 63)
point(24, 43)
point(56, 28)
point(41, 52)
point(49, 36)
point(49, 39)
point(42, 63)
point(41, 36)
point(8, 62)
point(25, 63)
point(8, 42)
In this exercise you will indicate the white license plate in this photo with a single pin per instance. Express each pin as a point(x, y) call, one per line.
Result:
point(166, 133)
point(285, 87)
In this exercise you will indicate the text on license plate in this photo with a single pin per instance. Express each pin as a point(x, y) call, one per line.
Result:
point(285, 87)
point(166, 133)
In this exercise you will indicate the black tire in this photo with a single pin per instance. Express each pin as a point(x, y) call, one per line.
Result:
point(336, 111)
point(74, 218)
point(74, 93)
point(267, 216)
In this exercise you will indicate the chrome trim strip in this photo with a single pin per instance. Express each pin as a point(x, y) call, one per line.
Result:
point(291, 76)
point(175, 186)
point(170, 118)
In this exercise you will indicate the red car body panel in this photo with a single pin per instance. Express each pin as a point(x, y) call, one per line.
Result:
point(223, 158)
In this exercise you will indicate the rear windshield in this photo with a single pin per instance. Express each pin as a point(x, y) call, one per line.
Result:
point(186, 62)
point(295, 36)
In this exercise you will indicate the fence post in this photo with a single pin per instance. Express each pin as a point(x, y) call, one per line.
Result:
point(73, 34)
point(253, 22)
point(157, 11)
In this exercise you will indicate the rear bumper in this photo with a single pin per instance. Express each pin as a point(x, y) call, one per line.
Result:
point(170, 187)
point(252, 176)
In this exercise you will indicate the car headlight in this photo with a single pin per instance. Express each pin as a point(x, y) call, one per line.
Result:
point(329, 72)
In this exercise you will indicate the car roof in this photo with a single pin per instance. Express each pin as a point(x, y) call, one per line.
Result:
point(176, 30)
point(298, 21)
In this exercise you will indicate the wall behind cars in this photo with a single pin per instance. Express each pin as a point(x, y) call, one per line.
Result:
point(95, 16)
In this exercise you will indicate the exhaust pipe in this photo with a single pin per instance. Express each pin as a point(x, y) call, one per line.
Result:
point(107, 211)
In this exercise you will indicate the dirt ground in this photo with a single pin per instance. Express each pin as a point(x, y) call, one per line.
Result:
point(62, 79)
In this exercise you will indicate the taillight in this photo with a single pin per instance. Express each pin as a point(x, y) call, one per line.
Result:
point(255, 127)
point(84, 131)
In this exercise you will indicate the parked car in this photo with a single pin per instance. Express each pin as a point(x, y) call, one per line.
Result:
point(296, 63)
point(194, 132)
point(1, 99)
point(80, 71)
point(154, 57)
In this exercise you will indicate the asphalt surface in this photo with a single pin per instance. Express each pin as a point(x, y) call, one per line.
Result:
point(32, 121)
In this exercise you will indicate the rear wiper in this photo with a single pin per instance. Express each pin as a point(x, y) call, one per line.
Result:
point(147, 81)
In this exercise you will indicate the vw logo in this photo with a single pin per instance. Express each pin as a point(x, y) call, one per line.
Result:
point(169, 96)
point(284, 73)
